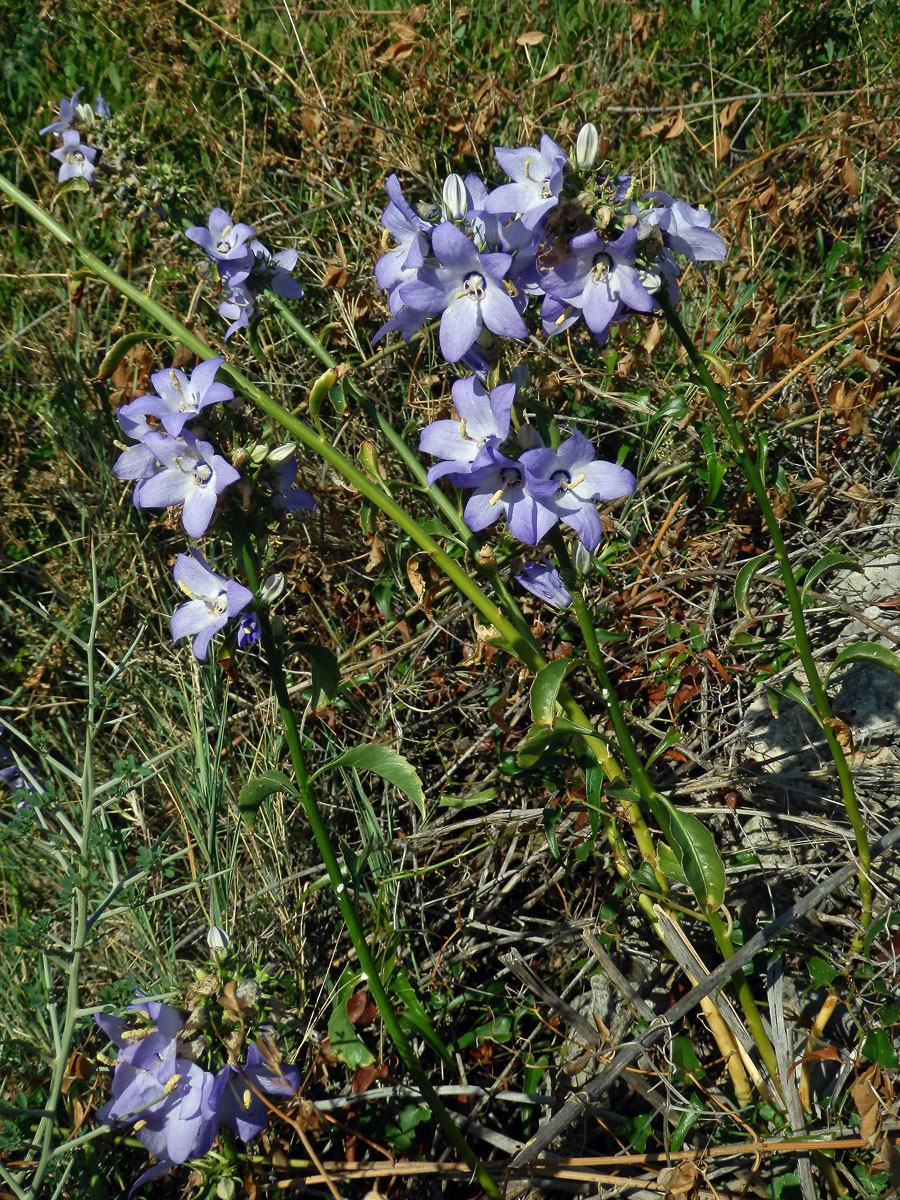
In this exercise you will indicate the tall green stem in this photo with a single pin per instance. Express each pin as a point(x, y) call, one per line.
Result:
point(804, 650)
point(345, 901)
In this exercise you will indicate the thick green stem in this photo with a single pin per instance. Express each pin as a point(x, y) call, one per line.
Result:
point(804, 650)
point(350, 916)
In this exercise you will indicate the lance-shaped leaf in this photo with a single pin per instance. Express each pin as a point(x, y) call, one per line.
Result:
point(387, 763)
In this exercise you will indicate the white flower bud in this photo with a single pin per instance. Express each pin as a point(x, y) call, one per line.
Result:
point(272, 588)
point(587, 146)
point(280, 454)
point(456, 203)
point(582, 559)
point(258, 453)
point(217, 939)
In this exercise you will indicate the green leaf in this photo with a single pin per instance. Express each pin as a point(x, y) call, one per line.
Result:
point(879, 1048)
point(387, 763)
point(539, 737)
point(255, 791)
point(829, 562)
point(449, 801)
point(326, 673)
point(545, 689)
point(745, 579)
point(700, 861)
point(790, 689)
point(821, 972)
point(868, 652)
point(672, 738)
point(345, 1042)
point(670, 863)
point(414, 1016)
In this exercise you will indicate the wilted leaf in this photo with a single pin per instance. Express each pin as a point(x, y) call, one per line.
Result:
point(396, 53)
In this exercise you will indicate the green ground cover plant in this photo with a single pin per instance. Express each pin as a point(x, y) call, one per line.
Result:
point(451, 694)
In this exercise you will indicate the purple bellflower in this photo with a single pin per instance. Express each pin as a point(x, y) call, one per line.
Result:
point(189, 473)
point(224, 241)
point(273, 271)
point(238, 308)
point(76, 158)
point(66, 115)
point(685, 229)
point(177, 398)
point(240, 1107)
point(502, 485)
point(537, 181)
point(213, 601)
point(171, 1102)
point(101, 108)
point(545, 583)
point(483, 417)
point(287, 497)
point(248, 631)
point(467, 288)
point(580, 480)
point(409, 231)
point(598, 280)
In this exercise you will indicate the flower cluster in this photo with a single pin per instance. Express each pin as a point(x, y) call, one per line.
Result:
point(172, 466)
point(535, 491)
point(175, 1106)
point(577, 239)
point(75, 157)
point(246, 267)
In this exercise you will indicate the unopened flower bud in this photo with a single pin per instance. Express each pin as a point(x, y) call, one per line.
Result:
point(456, 203)
point(272, 588)
point(587, 146)
point(226, 1188)
point(217, 939)
point(240, 457)
point(258, 454)
point(582, 559)
point(528, 438)
point(280, 454)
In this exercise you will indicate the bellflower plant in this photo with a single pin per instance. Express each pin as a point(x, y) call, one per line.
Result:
point(75, 158)
point(537, 181)
point(543, 581)
point(66, 117)
point(240, 1107)
point(213, 601)
point(574, 236)
point(186, 471)
point(580, 480)
point(466, 288)
point(246, 267)
point(224, 241)
point(483, 417)
point(178, 399)
point(174, 1106)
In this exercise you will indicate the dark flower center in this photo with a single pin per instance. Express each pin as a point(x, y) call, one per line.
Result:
point(601, 268)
